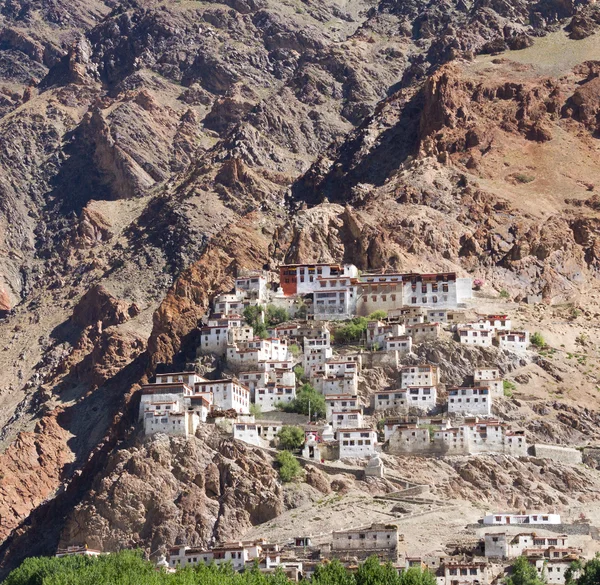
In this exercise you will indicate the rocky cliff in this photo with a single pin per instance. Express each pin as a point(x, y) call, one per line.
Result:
point(150, 149)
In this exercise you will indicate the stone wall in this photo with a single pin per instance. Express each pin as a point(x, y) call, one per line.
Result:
point(556, 453)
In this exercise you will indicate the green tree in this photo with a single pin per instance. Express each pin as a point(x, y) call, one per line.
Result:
point(523, 573)
point(289, 468)
point(537, 340)
point(299, 371)
point(372, 572)
point(333, 573)
point(307, 398)
point(253, 315)
point(416, 576)
point(255, 410)
point(351, 332)
point(377, 315)
point(276, 315)
point(290, 437)
point(294, 349)
point(573, 573)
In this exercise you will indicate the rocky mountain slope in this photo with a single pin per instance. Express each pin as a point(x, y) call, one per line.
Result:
point(151, 148)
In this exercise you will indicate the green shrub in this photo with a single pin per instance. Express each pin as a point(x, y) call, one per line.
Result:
point(294, 349)
point(537, 340)
point(307, 398)
point(289, 468)
point(508, 388)
point(523, 178)
point(299, 371)
point(255, 410)
point(352, 331)
point(377, 315)
point(504, 294)
point(276, 315)
point(291, 437)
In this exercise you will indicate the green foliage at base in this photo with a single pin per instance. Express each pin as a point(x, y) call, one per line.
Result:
point(508, 388)
point(523, 573)
point(537, 340)
point(129, 568)
point(290, 437)
point(289, 468)
point(304, 396)
point(377, 315)
point(352, 331)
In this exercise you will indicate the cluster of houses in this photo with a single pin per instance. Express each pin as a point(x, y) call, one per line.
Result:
point(549, 552)
point(505, 537)
point(418, 308)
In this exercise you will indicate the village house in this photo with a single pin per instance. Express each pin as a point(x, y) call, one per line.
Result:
point(463, 572)
point(253, 380)
point(435, 440)
point(334, 385)
point(489, 378)
point(412, 422)
point(537, 518)
point(378, 539)
point(269, 397)
point(235, 553)
point(378, 332)
point(437, 316)
point(352, 419)
point(421, 332)
point(402, 344)
point(509, 546)
point(258, 433)
point(379, 296)
point(301, 279)
point(553, 571)
point(470, 335)
point(358, 443)
point(227, 394)
point(341, 403)
point(219, 333)
point(189, 378)
point(251, 353)
point(498, 322)
point(253, 286)
point(335, 298)
point(422, 375)
point(390, 399)
point(422, 397)
point(315, 357)
point(469, 401)
point(513, 340)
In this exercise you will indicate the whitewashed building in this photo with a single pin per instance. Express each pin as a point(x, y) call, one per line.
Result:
point(469, 401)
point(227, 394)
point(377, 539)
point(422, 397)
point(500, 519)
point(258, 433)
point(509, 546)
point(351, 419)
point(422, 375)
point(474, 336)
point(269, 397)
point(421, 332)
point(391, 399)
point(359, 443)
point(341, 403)
point(513, 340)
point(402, 344)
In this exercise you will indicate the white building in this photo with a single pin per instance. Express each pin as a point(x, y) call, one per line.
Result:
point(459, 572)
point(269, 397)
point(473, 336)
point(422, 397)
point(402, 344)
point(378, 332)
point(469, 401)
point(315, 357)
point(538, 518)
point(421, 332)
point(301, 279)
point(489, 378)
point(218, 334)
point(359, 443)
point(189, 378)
point(252, 287)
point(78, 551)
point(258, 433)
point(227, 394)
point(553, 570)
point(335, 298)
point(336, 385)
point(422, 375)
point(509, 546)
point(341, 403)
point(498, 322)
point(387, 399)
point(352, 419)
point(378, 539)
point(513, 340)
